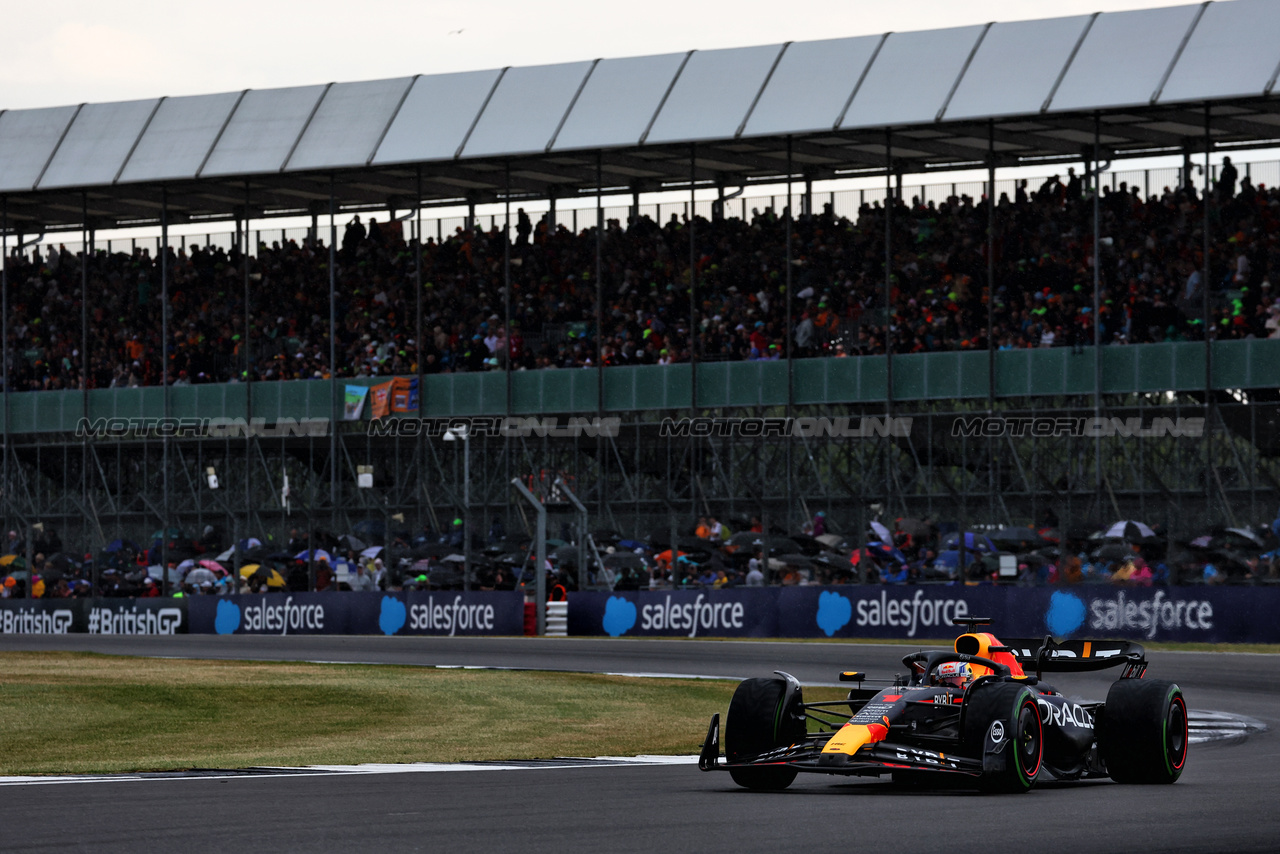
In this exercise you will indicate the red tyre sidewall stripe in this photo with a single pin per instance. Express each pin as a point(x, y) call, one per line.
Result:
point(1186, 734)
point(1031, 774)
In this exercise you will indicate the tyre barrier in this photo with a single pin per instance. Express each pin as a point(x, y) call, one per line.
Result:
point(557, 619)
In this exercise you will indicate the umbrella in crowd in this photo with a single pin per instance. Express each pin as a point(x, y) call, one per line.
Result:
point(972, 541)
point(353, 543)
point(1113, 551)
point(915, 527)
point(13, 562)
point(158, 572)
point(566, 555)
point(314, 554)
point(808, 545)
point(625, 560)
point(118, 544)
point(1131, 531)
point(166, 534)
point(832, 541)
point(271, 577)
point(1243, 537)
point(213, 566)
point(881, 532)
point(877, 552)
point(1017, 537)
point(371, 552)
point(200, 575)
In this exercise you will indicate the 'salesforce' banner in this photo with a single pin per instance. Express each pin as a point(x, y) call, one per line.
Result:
point(152, 616)
point(1205, 614)
point(400, 613)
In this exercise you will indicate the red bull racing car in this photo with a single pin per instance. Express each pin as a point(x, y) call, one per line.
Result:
point(969, 712)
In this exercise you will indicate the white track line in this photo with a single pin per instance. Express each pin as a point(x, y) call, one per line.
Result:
point(269, 772)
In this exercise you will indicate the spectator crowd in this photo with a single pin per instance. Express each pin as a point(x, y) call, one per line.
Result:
point(1151, 262)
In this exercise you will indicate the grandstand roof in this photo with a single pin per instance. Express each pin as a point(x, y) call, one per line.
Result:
point(1034, 88)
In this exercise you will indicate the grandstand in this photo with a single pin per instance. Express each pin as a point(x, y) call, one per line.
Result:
point(1084, 92)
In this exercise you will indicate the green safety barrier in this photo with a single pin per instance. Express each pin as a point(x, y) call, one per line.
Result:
point(1049, 372)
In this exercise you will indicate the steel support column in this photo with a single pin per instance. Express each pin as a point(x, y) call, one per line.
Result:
point(1210, 472)
point(889, 201)
point(164, 374)
point(787, 330)
point(1096, 172)
point(334, 398)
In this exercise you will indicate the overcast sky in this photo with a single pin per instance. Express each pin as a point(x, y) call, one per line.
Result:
point(97, 50)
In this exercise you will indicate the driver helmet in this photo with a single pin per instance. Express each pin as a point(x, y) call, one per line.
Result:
point(957, 674)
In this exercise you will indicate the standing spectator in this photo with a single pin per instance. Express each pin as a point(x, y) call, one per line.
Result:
point(1227, 177)
point(523, 227)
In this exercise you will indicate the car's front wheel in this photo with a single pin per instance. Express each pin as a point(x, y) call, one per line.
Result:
point(761, 720)
point(1004, 715)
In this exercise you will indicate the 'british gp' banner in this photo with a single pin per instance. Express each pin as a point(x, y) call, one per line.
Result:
point(1187, 614)
point(404, 613)
point(151, 616)
point(43, 616)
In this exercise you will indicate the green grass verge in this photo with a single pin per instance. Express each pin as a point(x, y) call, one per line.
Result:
point(64, 713)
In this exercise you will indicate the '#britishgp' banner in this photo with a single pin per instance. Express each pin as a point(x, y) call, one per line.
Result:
point(366, 613)
point(750, 612)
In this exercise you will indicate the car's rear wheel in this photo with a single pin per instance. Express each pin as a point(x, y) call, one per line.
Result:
point(1142, 731)
point(757, 724)
point(1007, 712)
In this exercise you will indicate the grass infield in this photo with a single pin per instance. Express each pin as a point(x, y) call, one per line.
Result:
point(69, 713)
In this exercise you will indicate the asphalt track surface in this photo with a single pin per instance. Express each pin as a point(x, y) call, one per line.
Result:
point(1226, 800)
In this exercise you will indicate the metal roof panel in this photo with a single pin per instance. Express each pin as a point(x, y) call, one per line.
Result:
point(1233, 51)
point(1123, 59)
point(911, 77)
point(811, 85)
point(97, 143)
point(525, 110)
point(713, 94)
point(263, 130)
point(436, 115)
point(618, 102)
point(27, 140)
point(348, 124)
point(179, 137)
point(1015, 68)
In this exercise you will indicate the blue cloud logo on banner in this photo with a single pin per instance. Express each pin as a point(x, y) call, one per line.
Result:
point(619, 616)
point(834, 612)
point(1065, 614)
point(391, 619)
point(227, 619)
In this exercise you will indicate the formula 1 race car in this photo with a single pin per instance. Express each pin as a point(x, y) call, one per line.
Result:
point(969, 712)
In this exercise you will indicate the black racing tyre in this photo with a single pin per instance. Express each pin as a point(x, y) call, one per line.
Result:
point(1014, 707)
point(756, 724)
point(1142, 731)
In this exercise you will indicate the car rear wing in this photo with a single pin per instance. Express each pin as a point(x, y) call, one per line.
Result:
point(1078, 655)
